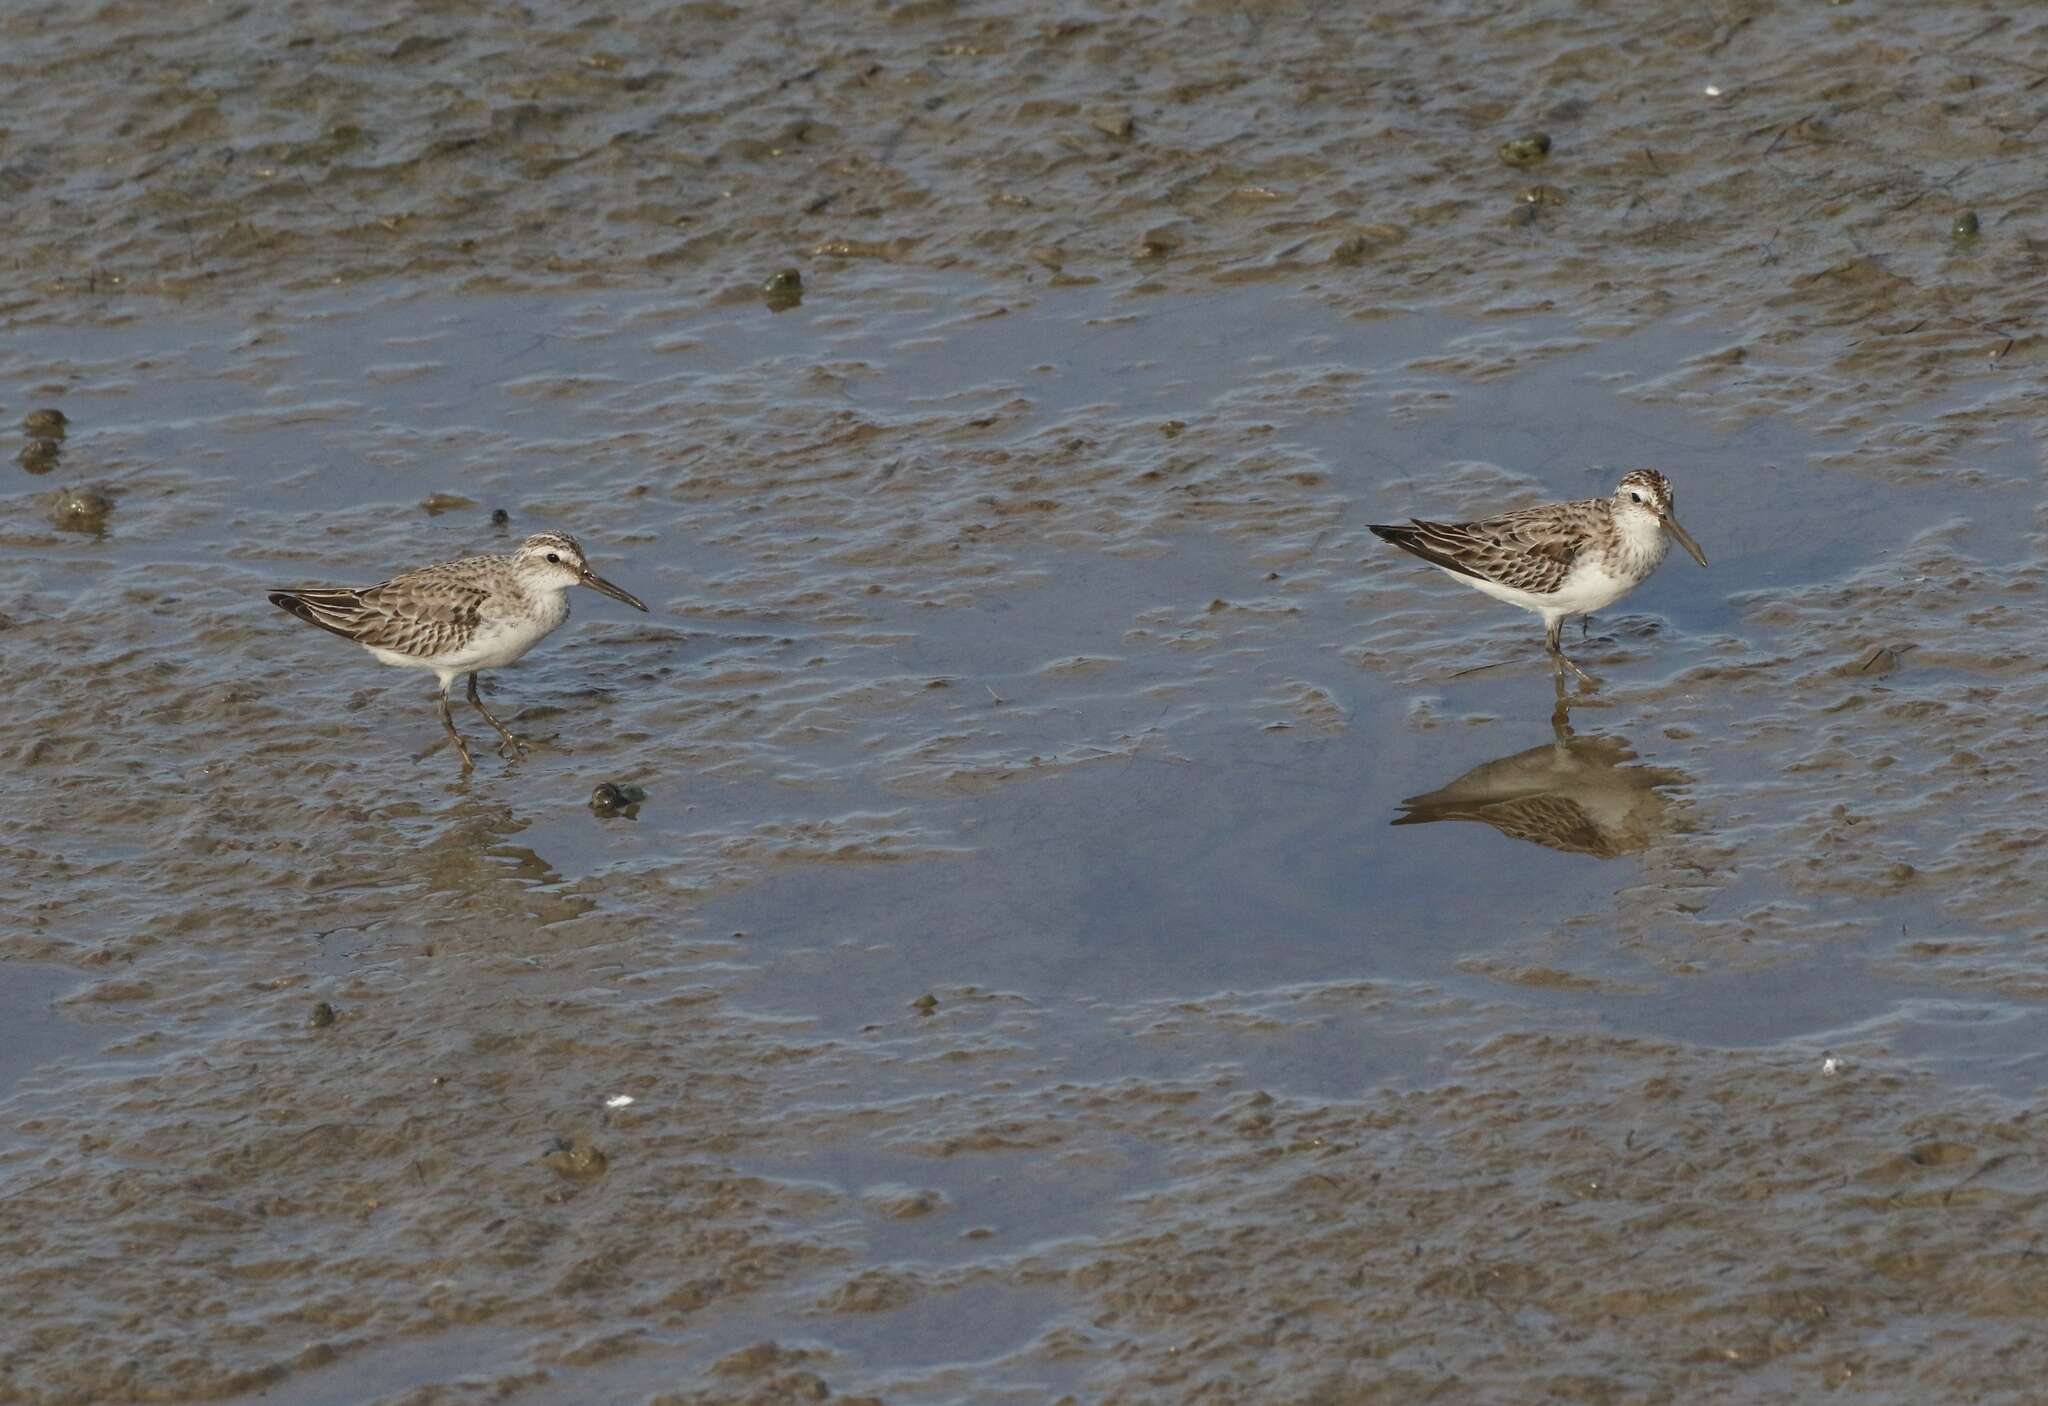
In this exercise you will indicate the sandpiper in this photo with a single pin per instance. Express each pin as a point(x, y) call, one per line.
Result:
point(459, 616)
point(1558, 559)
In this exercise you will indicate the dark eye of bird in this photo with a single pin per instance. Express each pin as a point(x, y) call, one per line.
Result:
point(1633, 497)
point(553, 557)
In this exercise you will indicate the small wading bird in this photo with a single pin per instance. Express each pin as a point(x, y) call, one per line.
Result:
point(459, 616)
point(1558, 559)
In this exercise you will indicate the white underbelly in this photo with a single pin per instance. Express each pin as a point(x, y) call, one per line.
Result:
point(492, 647)
point(1586, 589)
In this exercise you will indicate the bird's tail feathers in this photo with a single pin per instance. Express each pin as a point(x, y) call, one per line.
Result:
point(334, 608)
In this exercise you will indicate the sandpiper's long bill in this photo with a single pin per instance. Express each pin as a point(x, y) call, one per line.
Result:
point(1559, 559)
point(461, 616)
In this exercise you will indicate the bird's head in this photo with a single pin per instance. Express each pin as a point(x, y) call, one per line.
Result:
point(1644, 505)
point(553, 561)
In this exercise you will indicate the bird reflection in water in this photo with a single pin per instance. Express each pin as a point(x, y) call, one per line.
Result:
point(1572, 794)
point(468, 863)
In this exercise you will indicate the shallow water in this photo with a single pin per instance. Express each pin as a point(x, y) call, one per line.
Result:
point(1021, 984)
point(1106, 771)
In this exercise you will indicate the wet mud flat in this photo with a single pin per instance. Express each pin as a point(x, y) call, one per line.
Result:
point(1013, 982)
point(1013, 985)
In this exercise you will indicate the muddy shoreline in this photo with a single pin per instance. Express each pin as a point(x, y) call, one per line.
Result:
point(1016, 985)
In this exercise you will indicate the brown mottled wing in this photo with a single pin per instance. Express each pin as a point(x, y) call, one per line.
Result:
point(1554, 821)
point(396, 615)
point(1531, 550)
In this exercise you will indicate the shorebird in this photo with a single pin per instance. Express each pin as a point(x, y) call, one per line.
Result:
point(1558, 559)
point(459, 616)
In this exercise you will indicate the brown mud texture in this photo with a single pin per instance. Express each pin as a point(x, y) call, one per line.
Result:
point(955, 948)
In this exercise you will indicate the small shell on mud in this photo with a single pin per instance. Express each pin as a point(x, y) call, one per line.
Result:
point(439, 503)
point(1114, 122)
point(1965, 227)
point(322, 1016)
point(1543, 195)
point(80, 509)
point(896, 1202)
point(853, 248)
point(1355, 247)
point(1530, 150)
point(46, 424)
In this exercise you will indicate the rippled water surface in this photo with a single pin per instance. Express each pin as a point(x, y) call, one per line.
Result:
point(1101, 926)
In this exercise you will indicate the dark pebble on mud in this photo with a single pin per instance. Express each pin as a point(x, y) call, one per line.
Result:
point(39, 456)
point(925, 1004)
point(1525, 151)
point(783, 290)
point(1965, 226)
point(609, 798)
point(1160, 242)
point(578, 1160)
point(46, 424)
point(322, 1017)
point(1356, 247)
point(500, 518)
point(80, 509)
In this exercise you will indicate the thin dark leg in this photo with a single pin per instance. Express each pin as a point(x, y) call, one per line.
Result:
point(454, 736)
point(1558, 660)
point(477, 703)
